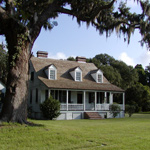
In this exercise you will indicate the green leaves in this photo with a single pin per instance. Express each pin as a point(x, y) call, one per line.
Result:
point(50, 108)
point(114, 109)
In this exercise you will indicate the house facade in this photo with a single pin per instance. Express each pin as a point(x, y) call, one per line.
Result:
point(79, 86)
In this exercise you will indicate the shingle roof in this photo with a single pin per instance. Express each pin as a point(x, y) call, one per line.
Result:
point(64, 79)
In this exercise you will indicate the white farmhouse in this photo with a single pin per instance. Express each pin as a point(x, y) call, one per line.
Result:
point(81, 88)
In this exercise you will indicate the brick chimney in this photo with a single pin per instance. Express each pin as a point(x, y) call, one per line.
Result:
point(42, 54)
point(81, 59)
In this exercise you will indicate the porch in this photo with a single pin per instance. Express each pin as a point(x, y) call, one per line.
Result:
point(75, 100)
point(80, 107)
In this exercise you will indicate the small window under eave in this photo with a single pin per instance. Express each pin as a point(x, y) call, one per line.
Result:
point(76, 74)
point(97, 76)
point(51, 72)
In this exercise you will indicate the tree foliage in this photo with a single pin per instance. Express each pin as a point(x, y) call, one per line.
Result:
point(139, 96)
point(130, 109)
point(71, 58)
point(142, 74)
point(117, 72)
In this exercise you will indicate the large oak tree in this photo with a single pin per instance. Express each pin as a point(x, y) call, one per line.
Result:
point(21, 22)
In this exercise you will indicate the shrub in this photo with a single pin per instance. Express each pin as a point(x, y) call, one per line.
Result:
point(114, 109)
point(50, 108)
point(130, 109)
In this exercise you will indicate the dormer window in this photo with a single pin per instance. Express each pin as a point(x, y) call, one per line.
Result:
point(78, 76)
point(99, 78)
point(51, 72)
point(97, 75)
point(76, 73)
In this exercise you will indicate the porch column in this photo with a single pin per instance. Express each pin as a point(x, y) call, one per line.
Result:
point(67, 99)
point(58, 95)
point(123, 101)
point(110, 98)
point(84, 100)
point(105, 97)
point(95, 100)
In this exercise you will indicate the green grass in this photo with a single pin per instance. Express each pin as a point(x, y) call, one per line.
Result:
point(109, 134)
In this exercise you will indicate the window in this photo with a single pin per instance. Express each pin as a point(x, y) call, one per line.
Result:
point(99, 79)
point(52, 74)
point(53, 93)
point(78, 76)
point(108, 95)
point(36, 96)
point(91, 97)
point(32, 76)
point(102, 97)
point(69, 97)
point(46, 94)
point(56, 94)
point(62, 96)
point(79, 98)
point(30, 96)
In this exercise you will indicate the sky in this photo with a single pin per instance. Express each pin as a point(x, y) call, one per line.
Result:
point(69, 39)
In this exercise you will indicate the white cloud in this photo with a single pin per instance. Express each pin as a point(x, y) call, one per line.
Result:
point(145, 58)
point(125, 58)
point(58, 55)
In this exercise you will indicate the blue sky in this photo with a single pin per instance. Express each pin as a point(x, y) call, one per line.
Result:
point(70, 39)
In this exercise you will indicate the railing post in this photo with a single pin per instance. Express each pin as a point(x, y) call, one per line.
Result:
point(67, 100)
point(123, 101)
point(95, 99)
point(105, 97)
point(84, 100)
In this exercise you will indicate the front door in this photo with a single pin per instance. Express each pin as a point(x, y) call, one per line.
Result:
point(79, 98)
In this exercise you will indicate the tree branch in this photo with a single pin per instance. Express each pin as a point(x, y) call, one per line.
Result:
point(3, 18)
point(39, 20)
point(10, 7)
point(91, 15)
point(2, 11)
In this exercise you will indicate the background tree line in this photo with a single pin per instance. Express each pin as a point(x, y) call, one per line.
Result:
point(134, 80)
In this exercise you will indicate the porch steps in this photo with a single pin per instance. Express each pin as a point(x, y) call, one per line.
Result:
point(92, 115)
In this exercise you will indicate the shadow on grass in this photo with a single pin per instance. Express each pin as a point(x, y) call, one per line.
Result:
point(27, 123)
point(35, 124)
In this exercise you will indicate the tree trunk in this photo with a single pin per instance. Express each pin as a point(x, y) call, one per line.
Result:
point(15, 104)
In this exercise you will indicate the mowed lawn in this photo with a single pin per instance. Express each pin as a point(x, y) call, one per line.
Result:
point(108, 134)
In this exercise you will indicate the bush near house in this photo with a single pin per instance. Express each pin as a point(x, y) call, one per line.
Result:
point(130, 109)
point(114, 109)
point(50, 108)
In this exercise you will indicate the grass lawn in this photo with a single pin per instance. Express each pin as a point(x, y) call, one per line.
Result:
point(109, 134)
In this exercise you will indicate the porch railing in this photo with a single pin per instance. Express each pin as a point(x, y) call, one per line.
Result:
point(80, 107)
point(102, 106)
point(74, 107)
point(106, 106)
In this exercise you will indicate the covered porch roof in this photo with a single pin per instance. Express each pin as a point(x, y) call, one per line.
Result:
point(90, 85)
